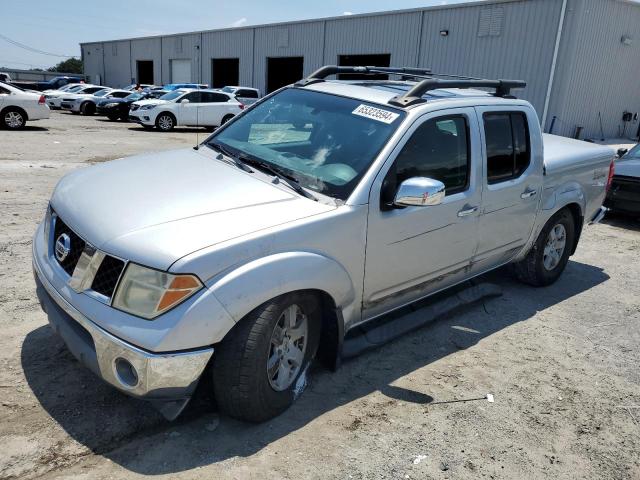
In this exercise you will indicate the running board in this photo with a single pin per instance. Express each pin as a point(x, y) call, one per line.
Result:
point(390, 327)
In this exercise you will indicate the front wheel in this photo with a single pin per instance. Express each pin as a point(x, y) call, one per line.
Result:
point(87, 108)
point(165, 122)
point(257, 368)
point(549, 255)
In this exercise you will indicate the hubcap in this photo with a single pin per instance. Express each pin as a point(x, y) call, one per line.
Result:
point(554, 248)
point(287, 348)
point(165, 122)
point(13, 120)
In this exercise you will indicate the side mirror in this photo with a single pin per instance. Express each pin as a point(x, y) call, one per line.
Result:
point(622, 151)
point(419, 192)
point(184, 100)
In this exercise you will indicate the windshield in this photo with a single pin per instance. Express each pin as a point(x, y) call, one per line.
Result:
point(172, 95)
point(325, 142)
point(228, 89)
point(101, 93)
point(634, 152)
point(76, 88)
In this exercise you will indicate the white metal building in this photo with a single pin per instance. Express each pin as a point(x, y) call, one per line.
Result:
point(580, 58)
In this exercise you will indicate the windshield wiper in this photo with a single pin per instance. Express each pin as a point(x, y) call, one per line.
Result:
point(226, 152)
point(276, 172)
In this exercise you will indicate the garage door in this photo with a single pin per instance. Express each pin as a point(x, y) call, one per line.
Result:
point(180, 71)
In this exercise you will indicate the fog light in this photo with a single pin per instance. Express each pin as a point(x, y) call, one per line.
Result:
point(126, 372)
point(146, 118)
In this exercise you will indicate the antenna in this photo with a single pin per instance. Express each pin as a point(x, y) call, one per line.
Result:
point(197, 146)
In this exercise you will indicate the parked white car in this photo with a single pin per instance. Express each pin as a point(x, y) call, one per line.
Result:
point(245, 95)
point(186, 107)
point(54, 99)
point(86, 104)
point(18, 106)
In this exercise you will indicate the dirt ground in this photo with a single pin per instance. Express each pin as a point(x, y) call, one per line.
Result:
point(562, 363)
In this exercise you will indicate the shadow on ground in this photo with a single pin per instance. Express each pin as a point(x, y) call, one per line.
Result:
point(620, 220)
point(130, 433)
point(27, 128)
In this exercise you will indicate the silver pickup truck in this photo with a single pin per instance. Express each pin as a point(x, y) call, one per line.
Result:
point(325, 205)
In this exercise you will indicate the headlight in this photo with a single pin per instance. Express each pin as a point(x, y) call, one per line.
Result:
point(147, 107)
point(109, 105)
point(148, 293)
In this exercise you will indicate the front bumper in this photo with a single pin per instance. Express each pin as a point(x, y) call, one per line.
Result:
point(166, 379)
point(139, 116)
point(70, 106)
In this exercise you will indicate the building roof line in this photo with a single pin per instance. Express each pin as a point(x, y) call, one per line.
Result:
point(467, 4)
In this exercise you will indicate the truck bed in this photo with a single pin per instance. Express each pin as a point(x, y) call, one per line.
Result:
point(562, 153)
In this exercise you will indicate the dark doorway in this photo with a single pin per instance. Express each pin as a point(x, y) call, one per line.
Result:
point(283, 71)
point(375, 60)
point(225, 71)
point(145, 71)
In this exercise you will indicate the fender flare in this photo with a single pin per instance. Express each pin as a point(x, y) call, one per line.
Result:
point(250, 285)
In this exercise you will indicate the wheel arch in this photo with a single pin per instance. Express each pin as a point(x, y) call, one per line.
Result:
point(15, 107)
point(249, 286)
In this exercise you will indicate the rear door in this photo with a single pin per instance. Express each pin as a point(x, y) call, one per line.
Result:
point(217, 106)
point(512, 165)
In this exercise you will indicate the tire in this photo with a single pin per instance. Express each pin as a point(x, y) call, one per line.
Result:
point(542, 267)
point(87, 108)
point(226, 119)
point(243, 386)
point(13, 118)
point(165, 122)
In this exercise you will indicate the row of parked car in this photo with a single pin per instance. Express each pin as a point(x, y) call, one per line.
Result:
point(177, 104)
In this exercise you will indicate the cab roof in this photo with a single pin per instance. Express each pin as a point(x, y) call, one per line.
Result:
point(383, 91)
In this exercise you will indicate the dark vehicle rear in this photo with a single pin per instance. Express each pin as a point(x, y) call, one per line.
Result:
point(118, 108)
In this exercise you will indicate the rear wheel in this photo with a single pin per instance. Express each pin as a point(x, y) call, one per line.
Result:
point(165, 122)
point(13, 119)
point(226, 119)
point(549, 256)
point(257, 367)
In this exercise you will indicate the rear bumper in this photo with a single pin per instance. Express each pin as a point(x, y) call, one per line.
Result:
point(166, 379)
point(624, 195)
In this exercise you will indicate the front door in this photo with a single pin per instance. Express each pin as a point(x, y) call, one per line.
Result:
point(513, 166)
point(414, 251)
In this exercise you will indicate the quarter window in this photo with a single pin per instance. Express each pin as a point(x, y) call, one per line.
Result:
point(508, 146)
point(438, 149)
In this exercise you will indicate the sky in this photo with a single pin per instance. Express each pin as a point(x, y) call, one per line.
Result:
point(59, 26)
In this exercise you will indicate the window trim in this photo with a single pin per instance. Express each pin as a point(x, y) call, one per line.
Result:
point(510, 113)
point(465, 117)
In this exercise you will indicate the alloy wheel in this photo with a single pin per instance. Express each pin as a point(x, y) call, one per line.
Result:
point(14, 119)
point(554, 247)
point(287, 348)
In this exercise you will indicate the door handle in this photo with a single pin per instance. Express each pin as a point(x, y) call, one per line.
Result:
point(528, 193)
point(467, 210)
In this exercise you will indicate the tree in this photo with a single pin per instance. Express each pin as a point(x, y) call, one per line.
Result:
point(71, 65)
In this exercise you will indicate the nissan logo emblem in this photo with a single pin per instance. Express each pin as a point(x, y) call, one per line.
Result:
point(63, 247)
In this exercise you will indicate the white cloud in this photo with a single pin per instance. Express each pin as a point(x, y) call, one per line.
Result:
point(239, 22)
point(347, 13)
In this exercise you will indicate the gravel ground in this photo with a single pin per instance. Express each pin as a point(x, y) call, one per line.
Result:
point(562, 363)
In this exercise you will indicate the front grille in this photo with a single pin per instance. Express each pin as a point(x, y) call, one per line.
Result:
point(77, 246)
point(107, 276)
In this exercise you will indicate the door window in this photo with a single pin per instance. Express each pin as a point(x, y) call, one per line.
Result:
point(508, 145)
point(193, 97)
point(247, 94)
point(438, 149)
point(210, 97)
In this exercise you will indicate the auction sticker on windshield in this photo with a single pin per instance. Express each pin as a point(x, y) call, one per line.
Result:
point(375, 113)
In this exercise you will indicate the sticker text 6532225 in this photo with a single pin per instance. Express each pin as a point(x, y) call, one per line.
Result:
point(375, 113)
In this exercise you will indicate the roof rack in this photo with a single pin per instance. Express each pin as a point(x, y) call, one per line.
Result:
point(328, 70)
point(414, 95)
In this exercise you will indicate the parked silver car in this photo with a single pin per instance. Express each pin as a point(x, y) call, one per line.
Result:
point(323, 206)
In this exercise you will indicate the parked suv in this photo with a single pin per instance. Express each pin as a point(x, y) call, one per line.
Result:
point(186, 107)
point(321, 208)
point(244, 94)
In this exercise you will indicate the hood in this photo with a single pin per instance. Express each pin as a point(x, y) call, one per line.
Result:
point(150, 101)
point(628, 167)
point(156, 208)
point(104, 101)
